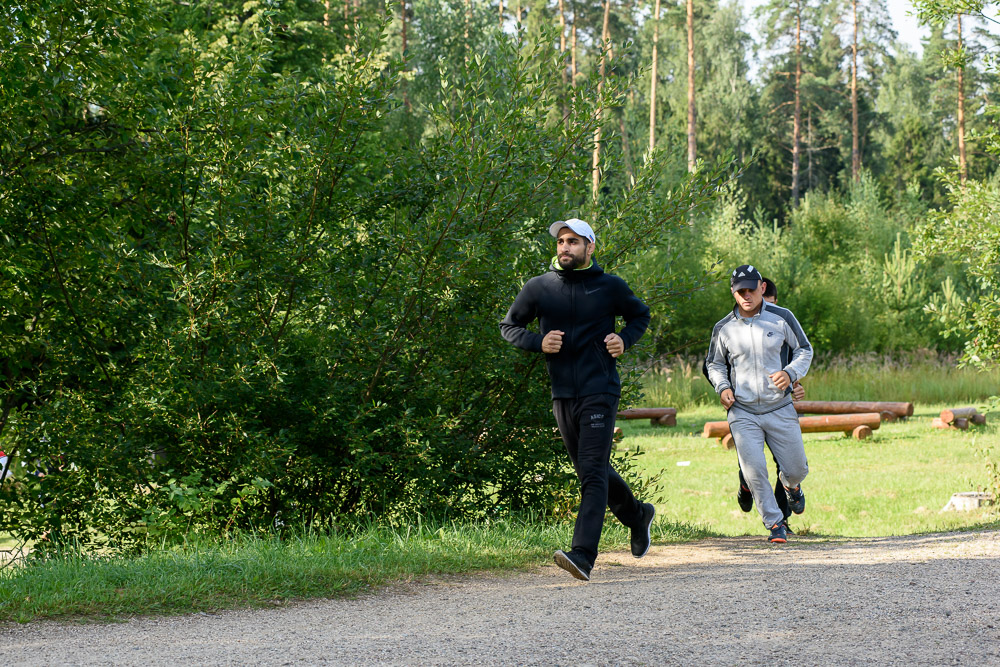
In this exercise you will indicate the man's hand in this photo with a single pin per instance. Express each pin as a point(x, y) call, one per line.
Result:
point(781, 380)
point(798, 392)
point(552, 342)
point(615, 344)
point(727, 398)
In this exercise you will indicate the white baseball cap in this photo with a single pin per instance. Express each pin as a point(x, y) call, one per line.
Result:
point(577, 226)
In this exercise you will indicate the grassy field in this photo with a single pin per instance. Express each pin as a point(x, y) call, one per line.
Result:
point(915, 377)
point(894, 483)
point(253, 572)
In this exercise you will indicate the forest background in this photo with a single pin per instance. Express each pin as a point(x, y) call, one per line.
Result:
point(255, 253)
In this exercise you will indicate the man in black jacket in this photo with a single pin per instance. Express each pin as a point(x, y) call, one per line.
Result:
point(576, 304)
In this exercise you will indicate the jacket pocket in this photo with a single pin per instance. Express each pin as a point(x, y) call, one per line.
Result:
point(604, 359)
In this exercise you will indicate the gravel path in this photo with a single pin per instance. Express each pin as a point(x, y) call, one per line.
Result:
point(916, 600)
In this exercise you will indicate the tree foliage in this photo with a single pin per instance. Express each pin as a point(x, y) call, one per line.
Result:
point(239, 294)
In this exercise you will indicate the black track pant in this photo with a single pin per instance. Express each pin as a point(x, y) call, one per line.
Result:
point(587, 425)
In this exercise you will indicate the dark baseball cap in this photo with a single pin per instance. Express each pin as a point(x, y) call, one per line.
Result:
point(744, 277)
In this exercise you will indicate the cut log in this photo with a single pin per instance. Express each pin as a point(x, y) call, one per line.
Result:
point(665, 420)
point(853, 407)
point(715, 429)
point(951, 414)
point(840, 422)
point(728, 442)
point(961, 423)
point(978, 419)
point(818, 424)
point(861, 432)
point(647, 413)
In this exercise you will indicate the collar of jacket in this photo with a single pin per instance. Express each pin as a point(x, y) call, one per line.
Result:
point(760, 311)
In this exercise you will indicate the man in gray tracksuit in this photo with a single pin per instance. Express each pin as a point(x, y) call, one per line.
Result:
point(757, 352)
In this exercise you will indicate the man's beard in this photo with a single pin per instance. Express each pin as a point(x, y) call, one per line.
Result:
point(574, 262)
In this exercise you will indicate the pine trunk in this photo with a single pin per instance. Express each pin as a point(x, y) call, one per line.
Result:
point(402, 34)
point(963, 169)
point(572, 56)
point(797, 114)
point(855, 151)
point(692, 112)
point(653, 77)
point(596, 174)
point(562, 39)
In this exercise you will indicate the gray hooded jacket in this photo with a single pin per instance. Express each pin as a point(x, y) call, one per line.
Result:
point(743, 352)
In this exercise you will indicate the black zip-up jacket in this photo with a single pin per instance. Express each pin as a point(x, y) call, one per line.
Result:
point(582, 303)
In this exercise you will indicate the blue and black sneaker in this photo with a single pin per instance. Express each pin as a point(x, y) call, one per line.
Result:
point(796, 499)
point(778, 534)
point(745, 498)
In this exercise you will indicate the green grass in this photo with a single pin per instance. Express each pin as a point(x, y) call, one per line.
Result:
point(913, 378)
point(251, 572)
point(894, 483)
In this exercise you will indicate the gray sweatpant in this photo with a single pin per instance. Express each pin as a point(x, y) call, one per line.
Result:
point(780, 430)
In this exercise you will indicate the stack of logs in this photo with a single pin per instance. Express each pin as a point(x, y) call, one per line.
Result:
point(656, 416)
point(958, 418)
point(858, 418)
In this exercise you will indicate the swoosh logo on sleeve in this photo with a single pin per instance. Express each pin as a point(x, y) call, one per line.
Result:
point(591, 291)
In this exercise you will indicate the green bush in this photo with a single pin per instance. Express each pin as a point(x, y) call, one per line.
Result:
point(842, 263)
point(246, 298)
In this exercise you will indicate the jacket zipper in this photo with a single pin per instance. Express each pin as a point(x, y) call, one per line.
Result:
point(572, 320)
point(753, 349)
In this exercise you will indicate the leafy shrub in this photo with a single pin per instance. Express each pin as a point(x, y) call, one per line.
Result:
point(247, 298)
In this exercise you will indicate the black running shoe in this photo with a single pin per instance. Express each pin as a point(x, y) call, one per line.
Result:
point(778, 534)
point(796, 499)
point(744, 497)
point(574, 563)
point(640, 534)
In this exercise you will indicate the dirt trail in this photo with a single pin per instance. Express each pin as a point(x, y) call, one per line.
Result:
point(917, 600)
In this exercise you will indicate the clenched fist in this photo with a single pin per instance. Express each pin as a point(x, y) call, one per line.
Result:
point(552, 342)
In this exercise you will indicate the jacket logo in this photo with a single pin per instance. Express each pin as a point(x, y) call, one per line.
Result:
point(770, 333)
point(597, 416)
point(591, 291)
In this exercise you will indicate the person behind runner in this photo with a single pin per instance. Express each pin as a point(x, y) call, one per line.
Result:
point(755, 355)
point(743, 496)
point(576, 304)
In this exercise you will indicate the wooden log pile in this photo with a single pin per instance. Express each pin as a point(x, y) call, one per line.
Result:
point(859, 426)
point(656, 416)
point(890, 411)
point(959, 418)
